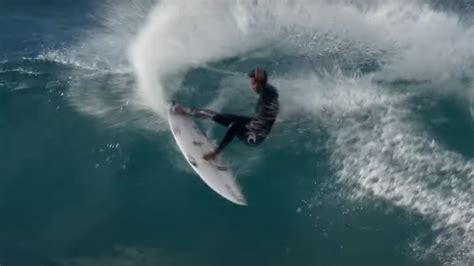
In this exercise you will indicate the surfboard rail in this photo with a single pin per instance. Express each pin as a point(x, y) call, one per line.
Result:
point(193, 144)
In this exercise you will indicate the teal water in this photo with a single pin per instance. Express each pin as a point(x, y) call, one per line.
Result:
point(370, 162)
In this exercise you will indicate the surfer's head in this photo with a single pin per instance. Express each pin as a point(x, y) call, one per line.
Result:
point(258, 78)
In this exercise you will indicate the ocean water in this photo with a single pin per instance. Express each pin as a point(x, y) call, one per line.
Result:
point(371, 161)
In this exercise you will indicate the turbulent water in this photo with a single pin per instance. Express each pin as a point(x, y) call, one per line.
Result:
point(371, 161)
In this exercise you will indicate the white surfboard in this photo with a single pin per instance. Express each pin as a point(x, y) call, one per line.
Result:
point(194, 144)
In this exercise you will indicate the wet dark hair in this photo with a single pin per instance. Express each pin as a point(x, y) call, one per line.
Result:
point(259, 74)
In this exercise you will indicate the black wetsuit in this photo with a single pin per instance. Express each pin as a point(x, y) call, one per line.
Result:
point(251, 130)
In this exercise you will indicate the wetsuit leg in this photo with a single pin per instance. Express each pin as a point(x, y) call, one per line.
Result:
point(226, 119)
point(231, 132)
point(235, 127)
point(222, 119)
point(238, 126)
point(250, 138)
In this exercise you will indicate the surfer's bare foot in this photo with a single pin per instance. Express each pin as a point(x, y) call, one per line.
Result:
point(210, 156)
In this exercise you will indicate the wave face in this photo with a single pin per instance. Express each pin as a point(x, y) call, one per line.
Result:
point(373, 150)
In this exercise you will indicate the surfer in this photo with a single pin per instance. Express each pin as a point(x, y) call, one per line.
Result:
point(251, 130)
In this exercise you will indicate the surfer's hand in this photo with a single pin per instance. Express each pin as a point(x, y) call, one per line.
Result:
point(210, 155)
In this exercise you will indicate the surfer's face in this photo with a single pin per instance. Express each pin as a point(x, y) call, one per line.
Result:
point(253, 84)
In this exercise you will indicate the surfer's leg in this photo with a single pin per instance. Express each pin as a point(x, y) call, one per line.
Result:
point(232, 131)
point(242, 132)
point(222, 119)
point(227, 119)
point(250, 137)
